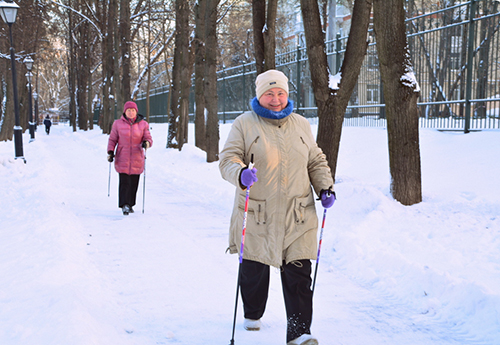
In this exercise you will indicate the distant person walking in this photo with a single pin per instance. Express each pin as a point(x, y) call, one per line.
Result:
point(47, 124)
point(130, 136)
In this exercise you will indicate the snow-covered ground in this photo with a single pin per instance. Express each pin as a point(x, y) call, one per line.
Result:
point(75, 271)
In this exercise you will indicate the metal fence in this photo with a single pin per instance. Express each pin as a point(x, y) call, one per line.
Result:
point(456, 58)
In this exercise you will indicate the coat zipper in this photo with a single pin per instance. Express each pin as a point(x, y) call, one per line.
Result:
point(250, 148)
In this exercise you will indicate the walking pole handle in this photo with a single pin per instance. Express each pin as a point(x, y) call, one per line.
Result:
point(250, 166)
point(245, 215)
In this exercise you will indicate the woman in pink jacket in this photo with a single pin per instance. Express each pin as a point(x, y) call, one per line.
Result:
point(129, 135)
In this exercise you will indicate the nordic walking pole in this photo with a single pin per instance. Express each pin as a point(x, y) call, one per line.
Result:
point(319, 250)
point(144, 182)
point(109, 178)
point(250, 166)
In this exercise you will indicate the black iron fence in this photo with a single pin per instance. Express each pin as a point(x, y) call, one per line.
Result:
point(456, 57)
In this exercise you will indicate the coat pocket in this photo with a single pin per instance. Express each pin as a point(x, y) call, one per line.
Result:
point(256, 210)
point(301, 206)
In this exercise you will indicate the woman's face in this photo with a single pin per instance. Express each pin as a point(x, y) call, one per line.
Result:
point(274, 99)
point(131, 113)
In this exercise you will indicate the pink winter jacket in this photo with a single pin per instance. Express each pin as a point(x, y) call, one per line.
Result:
point(129, 156)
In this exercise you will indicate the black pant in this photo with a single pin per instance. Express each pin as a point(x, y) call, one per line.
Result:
point(296, 282)
point(127, 189)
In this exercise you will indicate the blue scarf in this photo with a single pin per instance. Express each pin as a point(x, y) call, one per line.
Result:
point(269, 114)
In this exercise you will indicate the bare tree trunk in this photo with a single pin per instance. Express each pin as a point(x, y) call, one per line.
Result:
point(212, 142)
point(169, 80)
point(81, 92)
point(104, 119)
point(89, 97)
point(264, 34)
point(125, 48)
point(463, 64)
point(113, 52)
point(181, 78)
point(259, 20)
point(174, 98)
point(333, 103)
point(8, 120)
point(83, 70)
point(108, 101)
point(401, 94)
point(117, 82)
point(486, 31)
point(3, 111)
point(199, 72)
point(270, 36)
point(148, 85)
point(71, 71)
point(186, 72)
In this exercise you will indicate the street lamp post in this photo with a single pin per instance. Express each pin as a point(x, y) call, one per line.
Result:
point(8, 11)
point(29, 65)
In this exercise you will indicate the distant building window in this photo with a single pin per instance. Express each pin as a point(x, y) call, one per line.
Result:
point(372, 62)
point(372, 59)
point(456, 48)
point(372, 93)
point(455, 62)
point(456, 44)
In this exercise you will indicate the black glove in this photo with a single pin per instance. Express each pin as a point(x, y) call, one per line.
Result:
point(145, 144)
point(111, 156)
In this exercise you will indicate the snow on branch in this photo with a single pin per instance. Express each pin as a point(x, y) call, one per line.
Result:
point(149, 65)
point(334, 81)
point(80, 14)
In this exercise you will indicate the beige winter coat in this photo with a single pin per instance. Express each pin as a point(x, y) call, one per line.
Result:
point(282, 222)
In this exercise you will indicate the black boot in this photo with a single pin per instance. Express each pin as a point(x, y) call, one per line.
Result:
point(126, 210)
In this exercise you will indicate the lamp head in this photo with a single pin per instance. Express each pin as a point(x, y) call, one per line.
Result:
point(29, 62)
point(8, 11)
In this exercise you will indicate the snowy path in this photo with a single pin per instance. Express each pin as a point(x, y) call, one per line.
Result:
point(75, 271)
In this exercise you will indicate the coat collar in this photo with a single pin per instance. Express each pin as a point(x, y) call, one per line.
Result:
point(269, 114)
point(138, 118)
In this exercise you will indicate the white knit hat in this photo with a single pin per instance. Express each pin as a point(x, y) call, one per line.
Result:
point(270, 79)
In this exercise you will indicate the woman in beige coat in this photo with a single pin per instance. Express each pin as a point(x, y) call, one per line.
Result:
point(282, 222)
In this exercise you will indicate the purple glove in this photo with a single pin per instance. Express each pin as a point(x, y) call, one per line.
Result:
point(248, 177)
point(327, 198)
